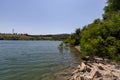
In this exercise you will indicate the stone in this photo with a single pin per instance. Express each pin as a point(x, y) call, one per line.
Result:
point(116, 74)
point(88, 69)
point(78, 67)
point(87, 77)
point(86, 58)
point(93, 72)
point(100, 67)
point(98, 74)
point(96, 71)
point(89, 64)
point(78, 48)
point(75, 71)
point(83, 66)
point(99, 59)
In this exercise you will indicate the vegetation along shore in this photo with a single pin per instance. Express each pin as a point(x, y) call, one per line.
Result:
point(102, 37)
point(98, 43)
point(15, 36)
point(99, 46)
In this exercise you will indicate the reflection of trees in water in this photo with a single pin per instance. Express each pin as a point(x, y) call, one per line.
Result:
point(66, 50)
point(63, 49)
point(75, 53)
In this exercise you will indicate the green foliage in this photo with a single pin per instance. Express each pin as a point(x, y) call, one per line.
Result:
point(14, 37)
point(61, 44)
point(102, 37)
point(113, 7)
point(70, 41)
point(74, 38)
point(60, 36)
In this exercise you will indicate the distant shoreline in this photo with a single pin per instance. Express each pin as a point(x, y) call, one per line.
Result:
point(5, 36)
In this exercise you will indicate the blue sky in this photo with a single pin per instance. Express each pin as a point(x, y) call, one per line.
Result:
point(48, 16)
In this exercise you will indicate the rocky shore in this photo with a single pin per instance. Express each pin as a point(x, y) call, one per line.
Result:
point(96, 70)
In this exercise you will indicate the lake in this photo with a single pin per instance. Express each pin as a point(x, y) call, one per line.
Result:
point(34, 60)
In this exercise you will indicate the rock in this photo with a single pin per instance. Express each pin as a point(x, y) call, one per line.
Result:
point(78, 48)
point(100, 78)
point(88, 69)
point(74, 78)
point(74, 72)
point(107, 78)
point(116, 74)
point(117, 66)
point(87, 77)
point(100, 66)
point(115, 78)
point(78, 78)
point(98, 74)
point(83, 66)
point(93, 72)
point(78, 67)
point(82, 78)
point(98, 59)
point(89, 64)
point(86, 58)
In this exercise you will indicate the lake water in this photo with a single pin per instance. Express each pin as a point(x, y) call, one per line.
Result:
point(33, 60)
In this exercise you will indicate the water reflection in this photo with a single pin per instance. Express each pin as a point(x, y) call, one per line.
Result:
point(60, 48)
point(64, 49)
point(34, 60)
point(76, 54)
point(67, 51)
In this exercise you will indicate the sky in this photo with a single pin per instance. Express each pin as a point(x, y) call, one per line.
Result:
point(48, 16)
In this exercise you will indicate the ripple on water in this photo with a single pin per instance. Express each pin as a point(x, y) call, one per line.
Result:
point(33, 60)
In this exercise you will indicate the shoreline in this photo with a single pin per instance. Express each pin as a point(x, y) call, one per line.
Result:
point(93, 70)
point(97, 69)
point(77, 48)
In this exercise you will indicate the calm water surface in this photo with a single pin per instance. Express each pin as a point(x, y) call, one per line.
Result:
point(33, 60)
